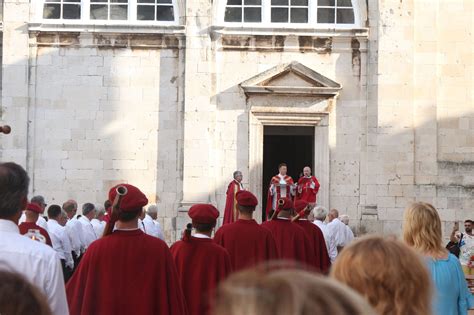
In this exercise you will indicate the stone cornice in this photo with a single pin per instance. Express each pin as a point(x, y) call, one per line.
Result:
point(108, 28)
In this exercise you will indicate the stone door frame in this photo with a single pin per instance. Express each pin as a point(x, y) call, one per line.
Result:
point(319, 120)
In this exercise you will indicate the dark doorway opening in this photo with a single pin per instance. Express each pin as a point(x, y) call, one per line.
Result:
point(284, 144)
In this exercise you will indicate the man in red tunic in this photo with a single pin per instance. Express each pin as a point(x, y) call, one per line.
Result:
point(281, 186)
point(230, 213)
point(32, 213)
point(307, 187)
point(291, 241)
point(200, 262)
point(247, 242)
point(314, 234)
point(126, 271)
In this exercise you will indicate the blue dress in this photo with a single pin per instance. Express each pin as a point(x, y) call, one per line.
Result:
point(452, 296)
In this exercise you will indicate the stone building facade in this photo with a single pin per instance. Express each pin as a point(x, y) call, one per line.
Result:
point(174, 95)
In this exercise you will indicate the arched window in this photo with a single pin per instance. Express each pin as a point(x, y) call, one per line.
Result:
point(110, 11)
point(290, 13)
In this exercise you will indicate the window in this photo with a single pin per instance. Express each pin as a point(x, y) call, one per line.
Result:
point(293, 11)
point(111, 11)
point(297, 13)
point(155, 10)
point(62, 9)
point(243, 11)
point(335, 11)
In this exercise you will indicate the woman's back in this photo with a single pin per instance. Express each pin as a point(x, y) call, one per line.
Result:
point(452, 295)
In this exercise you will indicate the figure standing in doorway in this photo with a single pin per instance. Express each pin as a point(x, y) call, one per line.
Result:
point(281, 186)
point(231, 214)
point(307, 187)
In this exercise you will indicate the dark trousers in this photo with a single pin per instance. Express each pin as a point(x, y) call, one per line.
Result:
point(77, 260)
point(67, 272)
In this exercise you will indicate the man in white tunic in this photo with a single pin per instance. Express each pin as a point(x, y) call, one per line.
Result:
point(349, 234)
point(98, 223)
point(153, 227)
point(337, 229)
point(74, 230)
point(88, 233)
point(320, 214)
point(35, 261)
point(60, 239)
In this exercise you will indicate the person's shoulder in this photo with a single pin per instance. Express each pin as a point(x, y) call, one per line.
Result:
point(34, 248)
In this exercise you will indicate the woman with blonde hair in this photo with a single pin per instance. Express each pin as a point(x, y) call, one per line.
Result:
point(389, 274)
point(422, 231)
point(286, 292)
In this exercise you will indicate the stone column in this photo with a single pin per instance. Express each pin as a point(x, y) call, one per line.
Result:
point(14, 110)
point(199, 112)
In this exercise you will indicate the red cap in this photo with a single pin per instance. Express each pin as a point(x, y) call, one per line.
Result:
point(300, 204)
point(203, 213)
point(133, 200)
point(34, 207)
point(287, 204)
point(246, 198)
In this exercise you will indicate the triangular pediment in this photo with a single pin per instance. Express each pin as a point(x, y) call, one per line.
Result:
point(292, 78)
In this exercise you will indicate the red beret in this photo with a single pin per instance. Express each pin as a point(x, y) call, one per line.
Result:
point(134, 199)
point(300, 204)
point(203, 213)
point(246, 198)
point(34, 207)
point(287, 204)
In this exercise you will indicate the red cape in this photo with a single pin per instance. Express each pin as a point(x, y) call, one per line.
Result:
point(201, 265)
point(275, 180)
point(318, 245)
point(25, 226)
point(247, 242)
point(309, 195)
point(127, 272)
point(291, 241)
point(230, 213)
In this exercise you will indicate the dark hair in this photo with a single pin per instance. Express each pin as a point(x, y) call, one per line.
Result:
point(204, 227)
point(469, 221)
point(19, 297)
point(87, 208)
point(281, 164)
point(107, 204)
point(14, 183)
point(245, 209)
point(54, 211)
point(129, 215)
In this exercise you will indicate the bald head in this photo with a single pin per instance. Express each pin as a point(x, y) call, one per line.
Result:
point(333, 214)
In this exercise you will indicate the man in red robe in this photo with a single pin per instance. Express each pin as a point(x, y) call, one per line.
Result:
point(32, 213)
point(307, 187)
point(314, 235)
point(126, 271)
point(231, 213)
point(200, 262)
point(281, 186)
point(291, 241)
point(247, 242)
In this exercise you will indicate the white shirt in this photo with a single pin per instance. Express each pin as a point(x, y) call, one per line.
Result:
point(152, 228)
point(88, 232)
point(329, 239)
point(338, 230)
point(37, 262)
point(40, 222)
point(98, 226)
point(349, 235)
point(74, 231)
point(159, 230)
point(61, 242)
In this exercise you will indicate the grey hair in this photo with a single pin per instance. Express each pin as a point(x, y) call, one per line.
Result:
point(344, 218)
point(100, 211)
point(236, 173)
point(152, 209)
point(87, 208)
point(38, 200)
point(320, 213)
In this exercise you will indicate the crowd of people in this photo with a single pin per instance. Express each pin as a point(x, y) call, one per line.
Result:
point(302, 260)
